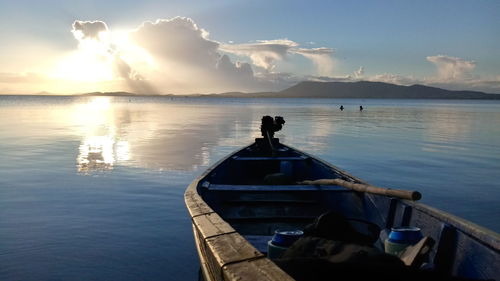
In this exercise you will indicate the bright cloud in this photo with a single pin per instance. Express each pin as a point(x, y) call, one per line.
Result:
point(452, 73)
point(177, 40)
point(267, 53)
point(264, 53)
point(188, 59)
point(322, 58)
point(89, 29)
point(451, 68)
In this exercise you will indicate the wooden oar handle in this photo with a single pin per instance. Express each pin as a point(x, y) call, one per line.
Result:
point(398, 193)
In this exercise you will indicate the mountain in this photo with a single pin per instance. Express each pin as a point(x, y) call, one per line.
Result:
point(366, 89)
point(339, 90)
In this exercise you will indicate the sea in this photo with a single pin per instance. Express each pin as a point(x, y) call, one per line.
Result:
point(91, 187)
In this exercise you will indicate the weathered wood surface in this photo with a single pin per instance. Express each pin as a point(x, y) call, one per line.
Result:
point(297, 158)
point(416, 255)
point(230, 248)
point(258, 269)
point(227, 249)
point(397, 193)
point(195, 204)
point(210, 225)
point(274, 187)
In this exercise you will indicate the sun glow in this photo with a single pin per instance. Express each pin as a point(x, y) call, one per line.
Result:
point(96, 59)
point(83, 66)
point(92, 62)
point(130, 52)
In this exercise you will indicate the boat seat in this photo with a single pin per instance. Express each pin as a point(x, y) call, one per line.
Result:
point(231, 187)
point(261, 158)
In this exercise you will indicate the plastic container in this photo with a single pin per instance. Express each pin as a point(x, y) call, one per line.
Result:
point(281, 241)
point(400, 238)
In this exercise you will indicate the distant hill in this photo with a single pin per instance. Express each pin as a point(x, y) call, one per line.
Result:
point(339, 90)
point(110, 94)
point(366, 89)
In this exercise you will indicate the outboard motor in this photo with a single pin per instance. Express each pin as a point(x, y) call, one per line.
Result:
point(268, 127)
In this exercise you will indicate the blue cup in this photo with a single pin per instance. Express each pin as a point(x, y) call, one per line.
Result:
point(286, 238)
point(405, 235)
point(401, 238)
point(281, 241)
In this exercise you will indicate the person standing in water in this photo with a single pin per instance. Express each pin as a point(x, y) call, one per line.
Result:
point(360, 108)
point(341, 108)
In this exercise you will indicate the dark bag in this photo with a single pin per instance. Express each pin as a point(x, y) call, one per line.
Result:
point(334, 226)
point(333, 248)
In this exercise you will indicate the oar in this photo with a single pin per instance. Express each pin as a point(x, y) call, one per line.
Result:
point(398, 193)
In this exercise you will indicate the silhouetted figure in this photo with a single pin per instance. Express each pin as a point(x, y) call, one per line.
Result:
point(360, 108)
point(341, 108)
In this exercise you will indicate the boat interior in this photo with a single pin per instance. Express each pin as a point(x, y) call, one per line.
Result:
point(258, 193)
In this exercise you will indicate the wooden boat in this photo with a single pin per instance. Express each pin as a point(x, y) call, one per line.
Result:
point(237, 205)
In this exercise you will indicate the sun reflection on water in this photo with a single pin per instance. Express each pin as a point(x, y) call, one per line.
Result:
point(100, 148)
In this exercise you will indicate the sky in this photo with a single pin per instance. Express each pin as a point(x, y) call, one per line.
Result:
point(185, 47)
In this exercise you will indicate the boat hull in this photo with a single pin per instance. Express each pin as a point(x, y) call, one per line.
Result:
point(234, 214)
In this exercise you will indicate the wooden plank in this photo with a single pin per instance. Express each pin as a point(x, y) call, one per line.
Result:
point(397, 193)
point(195, 204)
point(267, 227)
point(229, 187)
point(271, 219)
point(271, 211)
point(446, 249)
point(258, 269)
point(269, 201)
point(207, 268)
point(212, 224)
point(406, 217)
point(229, 248)
point(472, 261)
point(416, 255)
point(293, 158)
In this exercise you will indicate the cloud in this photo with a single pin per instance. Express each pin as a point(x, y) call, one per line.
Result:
point(451, 68)
point(267, 53)
point(178, 40)
point(360, 72)
point(94, 42)
point(88, 29)
point(453, 74)
point(188, 60)
point(135, 82)
point(264, 53)
point(395, 79)
point(238, 70)
point(321, 57)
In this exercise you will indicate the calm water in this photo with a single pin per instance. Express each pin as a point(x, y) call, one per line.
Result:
point(92, 188)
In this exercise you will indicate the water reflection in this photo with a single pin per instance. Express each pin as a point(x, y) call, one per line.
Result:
point(153, 135)
point(448, 124)
point(99, 148)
